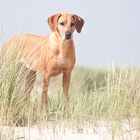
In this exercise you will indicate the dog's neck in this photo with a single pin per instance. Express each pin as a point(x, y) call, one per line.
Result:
point(62, 45)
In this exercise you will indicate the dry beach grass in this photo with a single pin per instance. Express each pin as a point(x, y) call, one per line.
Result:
point(98, 98)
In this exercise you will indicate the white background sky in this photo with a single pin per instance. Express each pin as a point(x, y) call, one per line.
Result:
point(111, 32)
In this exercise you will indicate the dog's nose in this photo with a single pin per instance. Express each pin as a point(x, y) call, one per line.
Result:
point(67, 35)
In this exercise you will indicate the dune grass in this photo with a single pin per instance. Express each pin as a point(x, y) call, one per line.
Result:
point(110, 95)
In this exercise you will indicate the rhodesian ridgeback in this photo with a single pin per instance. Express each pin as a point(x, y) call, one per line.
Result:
point(50, 55)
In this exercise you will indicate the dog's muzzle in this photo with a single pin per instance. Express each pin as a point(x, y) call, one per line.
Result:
point(68, 35)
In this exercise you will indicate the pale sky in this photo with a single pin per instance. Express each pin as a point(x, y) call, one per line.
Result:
point(111, 33)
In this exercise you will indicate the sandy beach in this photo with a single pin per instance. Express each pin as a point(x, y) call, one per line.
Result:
point(61, 133)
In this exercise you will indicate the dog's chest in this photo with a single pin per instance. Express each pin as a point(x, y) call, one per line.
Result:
point(60, 65)
point(62, 59)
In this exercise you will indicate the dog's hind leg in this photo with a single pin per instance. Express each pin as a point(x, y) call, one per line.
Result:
point(29, 83)
point(45, 91)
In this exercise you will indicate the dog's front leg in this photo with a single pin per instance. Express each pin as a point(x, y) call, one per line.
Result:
point(66, 82)
point(45, 91)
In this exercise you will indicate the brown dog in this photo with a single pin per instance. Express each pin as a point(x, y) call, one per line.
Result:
point(49, 55)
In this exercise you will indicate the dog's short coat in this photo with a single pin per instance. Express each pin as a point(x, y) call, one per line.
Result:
point(50, 55)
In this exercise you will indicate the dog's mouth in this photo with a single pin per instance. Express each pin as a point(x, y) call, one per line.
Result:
point(67, 38)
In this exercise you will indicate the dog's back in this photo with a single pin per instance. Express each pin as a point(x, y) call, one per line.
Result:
point(27, 48)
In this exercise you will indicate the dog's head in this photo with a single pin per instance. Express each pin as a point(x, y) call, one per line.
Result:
point(65, 24)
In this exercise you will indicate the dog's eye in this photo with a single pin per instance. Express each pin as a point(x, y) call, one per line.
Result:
point(62, 23)
point(72, 24)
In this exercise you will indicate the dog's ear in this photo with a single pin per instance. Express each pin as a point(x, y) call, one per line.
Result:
point(79, 23)
point(52, 21)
